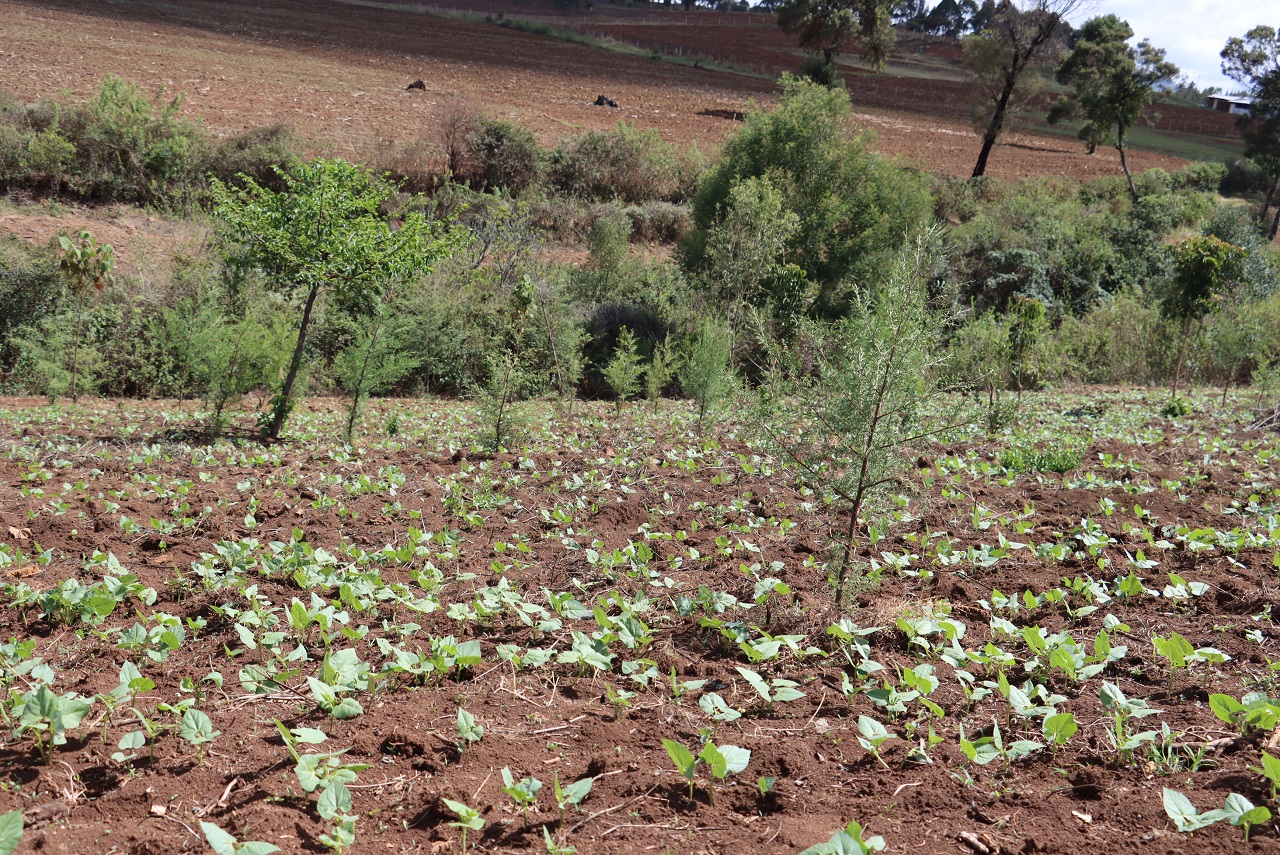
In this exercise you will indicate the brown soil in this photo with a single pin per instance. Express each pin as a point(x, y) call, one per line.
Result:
point(556, 721)
point(339, 71)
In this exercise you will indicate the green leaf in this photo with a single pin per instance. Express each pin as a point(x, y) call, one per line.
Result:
point(219, 841)
point(1225, 707)
point(711, 755)
point(714, 705)
point(10, 831)
point(468, 730)
point(682, 757)
point(1184, 814)
point(197, 728)
point(735, 758)
point(1059, 728)
point(757, 682)
point(575, 793)
point(334, 802)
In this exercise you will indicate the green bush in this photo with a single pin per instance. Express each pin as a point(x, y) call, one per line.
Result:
point(624, 164)
point(814, 70)
point(1201, 177)
point(1244, 177)
point(855, 208)
point(30, 288)
point(503, 155)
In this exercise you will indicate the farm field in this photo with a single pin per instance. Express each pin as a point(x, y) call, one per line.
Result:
point(309, 642)
point(338, 73)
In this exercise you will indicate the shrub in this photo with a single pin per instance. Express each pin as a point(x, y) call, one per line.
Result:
point(1201, 177)
point(30, 289)
point(855, 208)
point(258, 153)
point(503, 155)
point(625, 164)
point(1244, 177)
point(815, 70)
point(705, 373)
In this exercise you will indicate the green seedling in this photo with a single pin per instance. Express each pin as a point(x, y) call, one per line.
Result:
point(49, 716)
point(765, 785)
point(1270, 769)
point(334, 805)
point(1123, 711)
point(554, 848)
point(468, 730)
point(223, 843)
point(197, 729)
point(1242, 813)
point(686, 762)
point(1059, 728)
point(523, 792)
point(873, 734)
point(847, 841)
point(469, 819)
point(777, 690)
point(723, 761)
point(1251, 714)
point(570, 794)
point(1184, 814)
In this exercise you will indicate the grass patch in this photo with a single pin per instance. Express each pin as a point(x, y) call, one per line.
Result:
point(1027, 458)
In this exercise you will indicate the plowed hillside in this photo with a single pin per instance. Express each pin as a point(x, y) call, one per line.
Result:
point(338, 71)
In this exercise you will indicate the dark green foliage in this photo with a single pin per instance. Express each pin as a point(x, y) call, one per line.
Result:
point(30, 289)
point(1070, 248)
point(503, 155)
point(625, 164)
point(815, 70)
point(705, 373)
point(125, 147)
point(841, 402)
point(1111, 83)
point(623, 371)
point(855, 208)
point(831, 27)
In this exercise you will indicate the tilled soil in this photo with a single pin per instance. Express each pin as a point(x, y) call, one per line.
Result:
point(129, 479)
point(338, 72)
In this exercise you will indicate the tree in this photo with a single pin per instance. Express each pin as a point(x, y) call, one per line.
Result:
point(830, 27)
point(1203, 265)
point(89, 264)
point(1112, 83)
point(1255, 62)
point(326, 233)
point(843, 403)
point(1015, 46)
point(854, 207)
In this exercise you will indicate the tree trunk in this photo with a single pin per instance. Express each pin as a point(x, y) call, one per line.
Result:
point(996, 125)
point(286, 391)
point(1182, 350)
point(1271, 194)
point(1275, 225)
point(1124, 163)
point(75, 350)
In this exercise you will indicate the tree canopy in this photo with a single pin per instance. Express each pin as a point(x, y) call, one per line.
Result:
point(1254, 61)
point(831, 27)
point(1112, 83)
point(853, 207)
point(326, 232)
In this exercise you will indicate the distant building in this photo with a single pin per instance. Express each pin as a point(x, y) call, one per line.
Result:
point(1234, 105)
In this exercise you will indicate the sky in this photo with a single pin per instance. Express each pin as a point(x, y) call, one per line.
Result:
point(1193, 32)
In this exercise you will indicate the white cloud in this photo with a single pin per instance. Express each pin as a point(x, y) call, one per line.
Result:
point(1192, 31)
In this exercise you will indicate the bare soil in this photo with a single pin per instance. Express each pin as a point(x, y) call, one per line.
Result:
point(557, 721)
point(338, 72)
